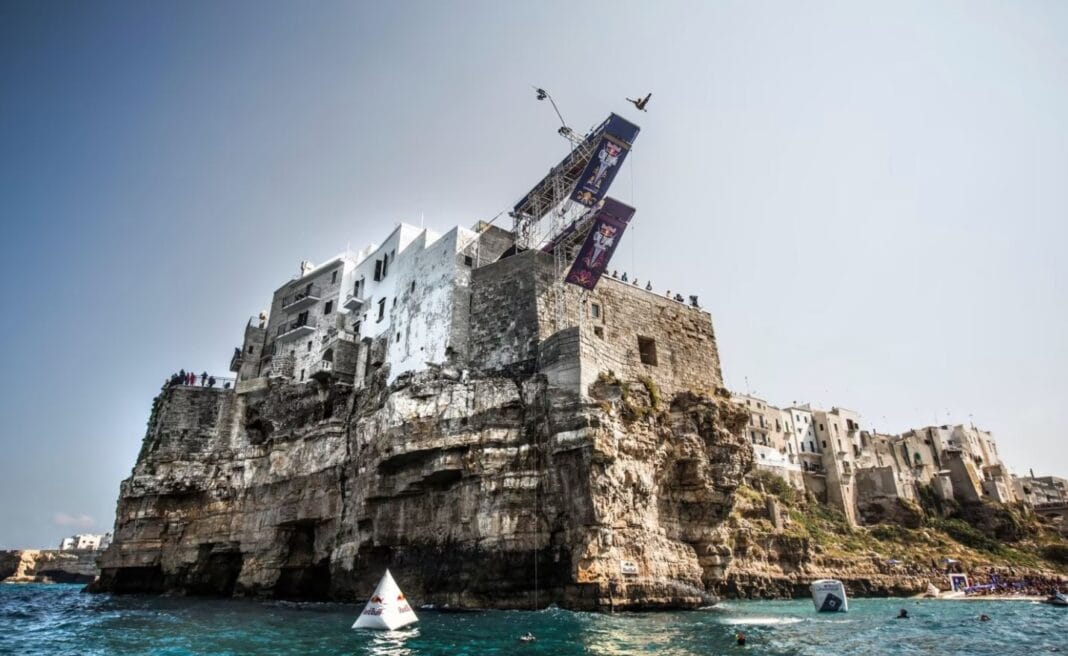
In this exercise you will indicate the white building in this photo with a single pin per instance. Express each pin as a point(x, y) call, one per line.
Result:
point(86, 541)
point(402, 303)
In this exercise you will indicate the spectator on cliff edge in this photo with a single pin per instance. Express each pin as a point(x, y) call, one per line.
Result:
point(204, 379)
point(211, 381)
point(191, 379)
point(624, 276)
point(182, 377)
point(615, 274)
point(648, 286)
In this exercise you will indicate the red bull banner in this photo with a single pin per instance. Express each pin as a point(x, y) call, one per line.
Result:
point(598, 175)
point(608, 225)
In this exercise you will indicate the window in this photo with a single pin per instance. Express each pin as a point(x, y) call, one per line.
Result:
point(251, 349)
point(356, 288)
point(328, 356)
point(394, 301)
point(468, 260)
point(647, 350)
point(823, 443)
point(385, 265)
point(309, 345)
point(356, 327)
point(302, 318)
point(595, 310)
point(381, 309)
point(378, 270)
point(302, 374)
point(597, 330)
point(398, 337)
point(812, 447)
point(821, 426)
point(333, 277)
point(329, 307)
point(835, 427)
point(413, 287)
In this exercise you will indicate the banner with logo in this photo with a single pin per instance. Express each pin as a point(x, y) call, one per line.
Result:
point(609, 223)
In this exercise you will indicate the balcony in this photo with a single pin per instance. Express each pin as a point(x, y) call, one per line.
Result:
point(322, 370)
point(295, 328)
point(302, 299)
point(353, 303)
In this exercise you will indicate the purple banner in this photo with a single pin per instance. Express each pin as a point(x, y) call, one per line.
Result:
point(598, 175)
point(608, 225)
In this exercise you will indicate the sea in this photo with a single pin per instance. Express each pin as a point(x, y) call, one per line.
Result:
point(60, 619)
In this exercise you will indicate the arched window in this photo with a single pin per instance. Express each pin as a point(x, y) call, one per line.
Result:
point(329, 355)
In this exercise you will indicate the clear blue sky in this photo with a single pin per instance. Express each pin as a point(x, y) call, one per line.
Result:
point(870, 198)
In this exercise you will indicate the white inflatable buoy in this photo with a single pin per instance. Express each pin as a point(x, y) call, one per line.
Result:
point(388, 609)
point(829, 596)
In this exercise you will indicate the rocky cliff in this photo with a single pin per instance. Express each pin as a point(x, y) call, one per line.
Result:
point(475, 490)
point(782, 540)
point(48, 566)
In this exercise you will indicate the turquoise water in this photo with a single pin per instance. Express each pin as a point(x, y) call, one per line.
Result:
point(58, 619)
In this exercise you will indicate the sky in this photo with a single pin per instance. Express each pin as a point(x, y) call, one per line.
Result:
point(869, 197)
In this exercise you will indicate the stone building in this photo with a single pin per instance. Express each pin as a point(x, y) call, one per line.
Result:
point(305, 315)
point(775, 445)
point(1041, 490)
point(960, 461)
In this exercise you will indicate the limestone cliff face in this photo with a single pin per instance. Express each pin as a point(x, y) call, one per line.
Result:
point(48, 566)
point(475, 490)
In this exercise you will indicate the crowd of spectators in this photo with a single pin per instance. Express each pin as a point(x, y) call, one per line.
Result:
point(649, 287)
point(184, 377)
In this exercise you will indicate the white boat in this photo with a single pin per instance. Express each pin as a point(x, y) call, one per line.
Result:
point(388, 609)
point(829, 596)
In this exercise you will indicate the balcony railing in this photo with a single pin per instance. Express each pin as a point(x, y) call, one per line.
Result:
point(304, 298)
point(296, 328)
point(354, 302)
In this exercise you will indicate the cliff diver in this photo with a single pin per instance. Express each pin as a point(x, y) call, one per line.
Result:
point(640, 103)
point(528, 637)
point(902, 615)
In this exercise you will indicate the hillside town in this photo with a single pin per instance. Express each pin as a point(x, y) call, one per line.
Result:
point(866, 474)
point(402, 303)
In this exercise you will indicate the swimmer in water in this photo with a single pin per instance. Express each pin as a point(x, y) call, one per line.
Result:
point(984, 618)
point(740, 639)
point(903, 615)
point(529, 637)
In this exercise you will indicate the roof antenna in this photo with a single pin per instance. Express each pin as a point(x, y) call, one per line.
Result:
point(564, 131)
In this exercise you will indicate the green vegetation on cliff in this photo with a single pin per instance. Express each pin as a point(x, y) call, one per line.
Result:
point(921, 534)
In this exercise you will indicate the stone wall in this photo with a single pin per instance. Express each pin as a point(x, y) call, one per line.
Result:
point(686, 356)
point(504, 312)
